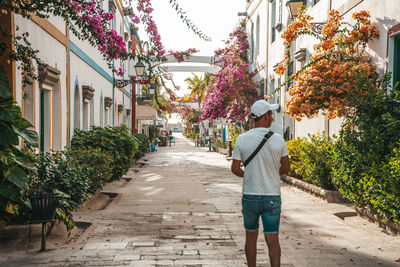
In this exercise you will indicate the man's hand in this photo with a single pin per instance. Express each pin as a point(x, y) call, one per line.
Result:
point(285, 165)
point(236, 169)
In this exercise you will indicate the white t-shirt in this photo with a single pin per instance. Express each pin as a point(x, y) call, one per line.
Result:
point(261, 175)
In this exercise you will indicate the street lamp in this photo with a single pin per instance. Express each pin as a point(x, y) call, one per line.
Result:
point(150, 95)
point(293, 6)
point(139, 69)
point(152, 89)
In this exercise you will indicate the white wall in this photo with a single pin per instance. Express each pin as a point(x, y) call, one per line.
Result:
point(48, 47)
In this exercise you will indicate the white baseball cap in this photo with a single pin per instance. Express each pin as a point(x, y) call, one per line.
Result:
point(260, 107)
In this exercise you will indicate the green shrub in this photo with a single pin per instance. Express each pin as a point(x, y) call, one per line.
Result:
point(143, 147)
point(116, 140)
point(366, 157)
point(311, 160)
point(96, 163)
point(58, 173)
point(234, 133)
point(298, 148)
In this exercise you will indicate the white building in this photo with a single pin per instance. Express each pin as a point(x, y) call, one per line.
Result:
point(77, 91)
point(265, 22)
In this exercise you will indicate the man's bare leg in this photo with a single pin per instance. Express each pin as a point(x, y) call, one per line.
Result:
point(274, 249)
point(251, 248)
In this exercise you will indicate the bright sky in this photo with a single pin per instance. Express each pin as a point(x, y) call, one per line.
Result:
point(215, 18)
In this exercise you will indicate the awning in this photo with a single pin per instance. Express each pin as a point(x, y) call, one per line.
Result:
point(145, 112)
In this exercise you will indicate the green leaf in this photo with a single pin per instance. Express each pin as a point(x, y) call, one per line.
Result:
point(5, 89)
point(10, 193)
point(20, 158)
point(17, 176)
point(21, 128)
point(8, 135)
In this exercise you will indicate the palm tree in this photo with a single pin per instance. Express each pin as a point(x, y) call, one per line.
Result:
point(198, 86)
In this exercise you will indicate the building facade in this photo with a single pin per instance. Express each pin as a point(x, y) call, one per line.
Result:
point(265, 22)
point(77, 89)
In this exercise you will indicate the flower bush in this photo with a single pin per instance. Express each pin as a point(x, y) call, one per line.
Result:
point(231, 92)
point(328, 82)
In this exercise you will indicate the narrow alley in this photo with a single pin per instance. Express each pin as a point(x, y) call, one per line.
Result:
point(182, 208)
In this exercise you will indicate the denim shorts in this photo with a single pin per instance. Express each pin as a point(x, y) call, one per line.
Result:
point(268, 207)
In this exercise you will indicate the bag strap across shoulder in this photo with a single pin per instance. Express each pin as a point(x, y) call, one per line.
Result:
point(265, 139)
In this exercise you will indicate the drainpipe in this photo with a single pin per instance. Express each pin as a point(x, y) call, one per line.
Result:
point(69, 89)
point(326, 118)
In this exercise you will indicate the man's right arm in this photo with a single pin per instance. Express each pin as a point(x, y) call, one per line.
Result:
point(236, 169)
point(285, 165)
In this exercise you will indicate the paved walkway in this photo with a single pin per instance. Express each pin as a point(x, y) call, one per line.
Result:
point(183, 209)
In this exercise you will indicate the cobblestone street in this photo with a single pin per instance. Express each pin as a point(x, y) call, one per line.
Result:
point(183, 208)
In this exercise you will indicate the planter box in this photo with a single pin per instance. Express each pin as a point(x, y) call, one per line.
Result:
point(328, 195)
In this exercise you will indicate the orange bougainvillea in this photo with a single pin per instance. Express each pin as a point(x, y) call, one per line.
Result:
point(331, 80)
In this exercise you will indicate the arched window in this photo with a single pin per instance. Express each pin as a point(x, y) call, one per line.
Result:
point(92, 123)
point(252, 43)
point(29, 104)
point(76, 108)
point(101, 107)
point(56, 118)
point(258, 36)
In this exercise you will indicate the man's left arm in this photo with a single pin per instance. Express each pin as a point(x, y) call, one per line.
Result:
point(236, 169)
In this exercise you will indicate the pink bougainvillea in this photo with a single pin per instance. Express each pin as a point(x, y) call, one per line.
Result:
point(145, 8)
point(180, 55)
point(231, 91)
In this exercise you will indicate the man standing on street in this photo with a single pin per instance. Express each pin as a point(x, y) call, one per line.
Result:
point(261, 180)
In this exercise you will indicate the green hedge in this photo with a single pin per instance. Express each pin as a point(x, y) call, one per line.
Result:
point(116, 140)
point(366, 157)
point(364, 161)
point(96, 157)
point(311, 160)
point(144, 144)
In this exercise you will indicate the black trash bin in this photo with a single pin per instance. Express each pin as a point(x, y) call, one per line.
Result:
point(44, 207)
point(44, 210)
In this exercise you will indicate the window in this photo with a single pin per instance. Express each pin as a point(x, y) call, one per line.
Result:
point(315, 2)
point(258, 36)
point(396, 61)
point(252, 43)
point(85, 116)
point(271, 91)
point(273, 21)
point(262, 89)
point(101, 111)
point(76, 109)
point(290, 70)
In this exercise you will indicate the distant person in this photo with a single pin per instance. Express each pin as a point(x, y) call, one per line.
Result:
point(261, 180)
